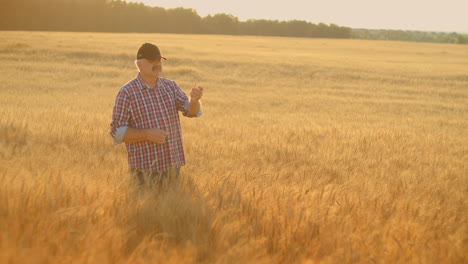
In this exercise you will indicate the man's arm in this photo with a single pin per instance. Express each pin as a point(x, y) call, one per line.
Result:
point(195, 96)
point(189, 107)
point(120, 117)
point(154, 135)
point(194, 107)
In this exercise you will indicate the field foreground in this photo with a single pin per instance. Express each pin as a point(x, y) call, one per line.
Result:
point(309, 151)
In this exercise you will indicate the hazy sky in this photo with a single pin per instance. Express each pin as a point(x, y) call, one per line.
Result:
point(433, 15)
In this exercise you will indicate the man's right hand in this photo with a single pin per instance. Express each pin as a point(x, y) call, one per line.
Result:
point(156, 135)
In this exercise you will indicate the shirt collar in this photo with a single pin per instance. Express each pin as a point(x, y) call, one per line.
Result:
point(144, 86)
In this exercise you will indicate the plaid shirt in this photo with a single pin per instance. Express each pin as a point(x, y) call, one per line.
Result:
point(139, 106)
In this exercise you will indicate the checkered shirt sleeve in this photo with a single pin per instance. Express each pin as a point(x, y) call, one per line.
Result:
point(120, 115)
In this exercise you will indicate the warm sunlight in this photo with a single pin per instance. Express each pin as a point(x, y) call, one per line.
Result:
point(219, 132)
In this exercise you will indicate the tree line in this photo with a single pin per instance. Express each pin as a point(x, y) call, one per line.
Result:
point(410, 35)
point(121, 16)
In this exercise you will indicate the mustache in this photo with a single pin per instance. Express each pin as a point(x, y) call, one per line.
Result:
point(155, 67)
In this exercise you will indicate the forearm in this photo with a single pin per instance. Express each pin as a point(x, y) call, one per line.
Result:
point(135, 135)
point(194, 107)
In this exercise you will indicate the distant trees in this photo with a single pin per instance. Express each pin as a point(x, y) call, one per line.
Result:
point(221, 24)
point(419, 36)
point(462, 39)
point(120, 16)
point(82, 15)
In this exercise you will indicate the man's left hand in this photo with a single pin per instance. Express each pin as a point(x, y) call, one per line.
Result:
point(196, 93)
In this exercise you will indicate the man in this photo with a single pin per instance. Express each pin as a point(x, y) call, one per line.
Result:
point(146, 118)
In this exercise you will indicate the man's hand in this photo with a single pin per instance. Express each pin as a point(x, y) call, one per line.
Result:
point(196, 93)
point(156, 135)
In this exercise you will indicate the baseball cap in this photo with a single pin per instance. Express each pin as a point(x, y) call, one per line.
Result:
point(149, 51)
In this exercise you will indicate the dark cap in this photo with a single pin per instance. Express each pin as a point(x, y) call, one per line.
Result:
point(149, 51)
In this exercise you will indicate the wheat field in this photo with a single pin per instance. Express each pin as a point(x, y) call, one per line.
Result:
point(308, 151)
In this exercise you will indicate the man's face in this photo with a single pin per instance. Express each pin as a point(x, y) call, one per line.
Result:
point(151, 67)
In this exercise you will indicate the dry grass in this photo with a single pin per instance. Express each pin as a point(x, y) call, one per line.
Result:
point(309, 150)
